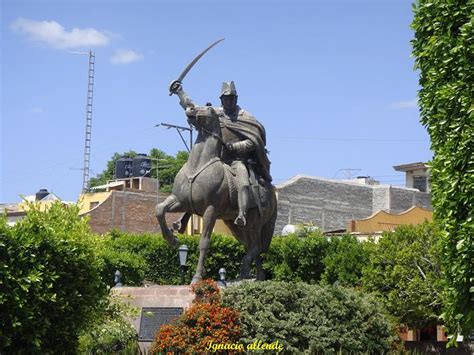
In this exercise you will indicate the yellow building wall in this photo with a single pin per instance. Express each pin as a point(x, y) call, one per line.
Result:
point(43, 205)
point(219, 228)
point(89, 201)
point(383, 221)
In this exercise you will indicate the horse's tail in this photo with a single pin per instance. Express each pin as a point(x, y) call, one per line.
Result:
point(269, 227)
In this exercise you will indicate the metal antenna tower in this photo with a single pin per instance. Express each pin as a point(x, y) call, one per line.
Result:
point(87, 141)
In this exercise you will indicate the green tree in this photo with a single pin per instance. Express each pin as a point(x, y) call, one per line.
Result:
point(344, 261)
point(50, 286)
point(444, 54)
point(168, 167)
point(404, 273)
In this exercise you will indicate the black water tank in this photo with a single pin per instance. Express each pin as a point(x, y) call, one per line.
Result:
point(42, 193)
point(123, 168)
point(141, 166)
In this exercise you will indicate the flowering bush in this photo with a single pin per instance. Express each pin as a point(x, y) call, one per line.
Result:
point(204, 322)
point(206, 291)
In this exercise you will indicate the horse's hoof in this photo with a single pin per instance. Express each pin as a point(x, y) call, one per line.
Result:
point(196, 279)
point(177, 226)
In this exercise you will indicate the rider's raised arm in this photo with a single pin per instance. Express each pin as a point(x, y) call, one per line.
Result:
point(184, 100)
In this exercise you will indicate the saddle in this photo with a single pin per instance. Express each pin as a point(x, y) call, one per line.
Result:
point(258, 194)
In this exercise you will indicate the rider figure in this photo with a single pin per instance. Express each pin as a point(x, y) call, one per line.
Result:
point(244, 139)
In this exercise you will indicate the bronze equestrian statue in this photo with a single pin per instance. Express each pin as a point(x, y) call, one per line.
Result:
point(227, 176)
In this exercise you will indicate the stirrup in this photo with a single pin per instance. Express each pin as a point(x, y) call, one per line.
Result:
point(240, 221)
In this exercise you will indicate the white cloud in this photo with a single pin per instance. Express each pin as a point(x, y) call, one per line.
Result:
point(125, 56)
point(400, 105)
point(54, 35)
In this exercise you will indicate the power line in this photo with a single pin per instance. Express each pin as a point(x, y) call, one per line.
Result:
point(353, 139)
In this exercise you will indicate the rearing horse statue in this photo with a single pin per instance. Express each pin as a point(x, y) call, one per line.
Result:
point(202, 187)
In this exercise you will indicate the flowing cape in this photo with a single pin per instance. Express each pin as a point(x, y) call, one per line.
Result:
point(247, 126)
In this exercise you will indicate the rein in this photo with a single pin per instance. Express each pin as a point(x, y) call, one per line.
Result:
point(200, 127)
point(193, 177)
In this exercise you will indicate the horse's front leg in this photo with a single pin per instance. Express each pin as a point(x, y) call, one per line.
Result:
point(171, 204)
point(209, 220)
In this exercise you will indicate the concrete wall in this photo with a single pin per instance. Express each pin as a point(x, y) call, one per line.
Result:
point(323, 203)
point(330, 204)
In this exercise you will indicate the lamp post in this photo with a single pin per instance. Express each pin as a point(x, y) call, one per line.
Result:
point(118, 279)
point(183, 254)
point(222, 282)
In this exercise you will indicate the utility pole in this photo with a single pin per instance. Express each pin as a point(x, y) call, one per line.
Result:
point(88, 137)
point(179, 129)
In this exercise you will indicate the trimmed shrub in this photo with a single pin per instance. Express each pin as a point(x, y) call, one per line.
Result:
point(204, 323)
point(310, 318)
point(132, 266)
point(50, 287)
point(149, 257)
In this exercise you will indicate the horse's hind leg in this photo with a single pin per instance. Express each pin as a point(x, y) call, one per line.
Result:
point(259, 266)
point(171, 204)
point(209, 220)
point(180, 224)
point(252, 254)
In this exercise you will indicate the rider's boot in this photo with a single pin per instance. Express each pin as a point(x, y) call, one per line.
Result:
point(243, 200)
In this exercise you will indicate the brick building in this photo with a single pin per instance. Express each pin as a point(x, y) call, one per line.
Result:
point(126, 204)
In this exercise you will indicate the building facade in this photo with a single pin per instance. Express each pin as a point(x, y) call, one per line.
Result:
point(330, 204)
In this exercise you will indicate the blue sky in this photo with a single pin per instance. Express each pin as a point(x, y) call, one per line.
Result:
point(332, 81)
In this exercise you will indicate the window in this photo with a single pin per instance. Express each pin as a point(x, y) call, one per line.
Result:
point(419, 182)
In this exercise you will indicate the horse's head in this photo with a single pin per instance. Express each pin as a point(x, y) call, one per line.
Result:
point(204, 118)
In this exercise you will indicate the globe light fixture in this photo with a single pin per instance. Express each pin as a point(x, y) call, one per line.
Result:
point(183, 255)
point(222, 282)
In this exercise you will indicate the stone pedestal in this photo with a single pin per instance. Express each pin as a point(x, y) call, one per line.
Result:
point(154, 296)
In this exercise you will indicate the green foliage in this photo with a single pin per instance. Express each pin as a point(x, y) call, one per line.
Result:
point(404, 273)
point(50, 287)
point(111, 332)
point(168, 167)
point(148, 256)
point(294, 258)
point(344, 261)
point(132, 266)
point(310, 318)
point(444, 54)
point(291, 258)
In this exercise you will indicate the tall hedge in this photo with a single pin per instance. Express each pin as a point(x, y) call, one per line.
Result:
point(50, 286)
point(444, 54)
point(149, 257)
point(310, 318)
point(309, 258)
